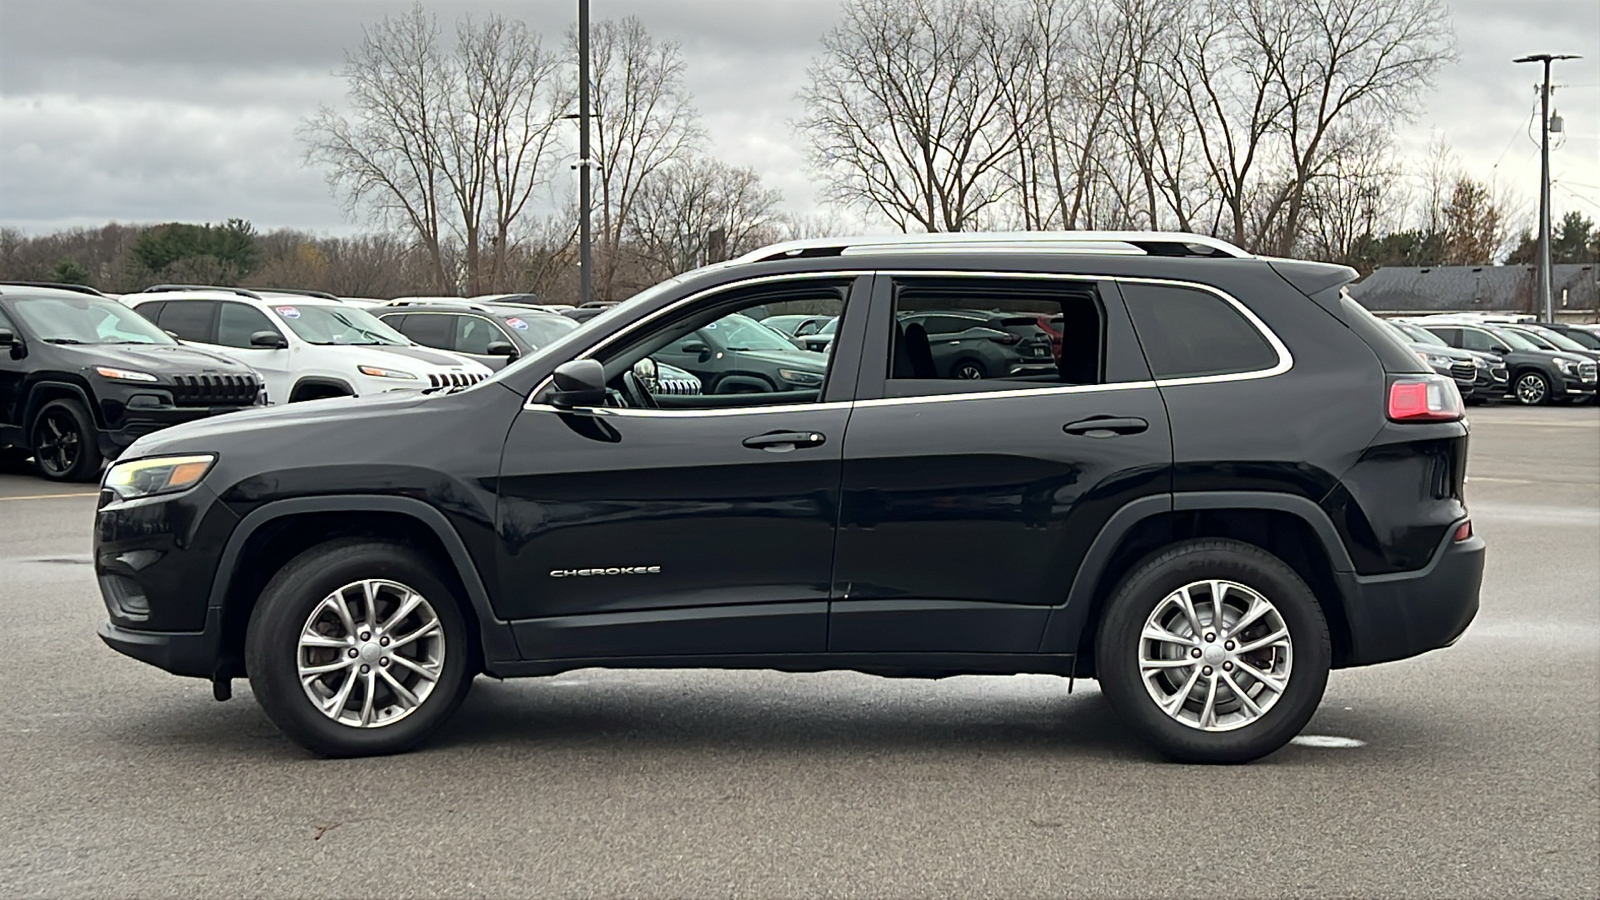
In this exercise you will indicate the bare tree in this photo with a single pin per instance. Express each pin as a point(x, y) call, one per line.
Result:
point(643, 120)
point(901, 109)
point(698, 211)
point(448, 144)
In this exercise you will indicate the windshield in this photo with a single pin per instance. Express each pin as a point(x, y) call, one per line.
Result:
point(740, 333)
point(1561, 341)
point(337, 325)
point(1536, 340)
point(541, 330)
point(1516, 341)
point(831, 327)
point(87, 320)
point(1419, 335)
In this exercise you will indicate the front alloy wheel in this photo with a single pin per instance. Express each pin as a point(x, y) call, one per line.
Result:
point(65, 444)
point(359, 647)
point(1532, 389)
point(371, 653)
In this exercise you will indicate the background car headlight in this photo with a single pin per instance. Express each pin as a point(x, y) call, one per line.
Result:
point(378, 372)
point(1435, 360)
point(123, 374)
point(795, 376)
point(157, 475)
point(1566, 366)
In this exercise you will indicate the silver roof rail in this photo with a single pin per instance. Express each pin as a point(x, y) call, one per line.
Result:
point(1140, 243)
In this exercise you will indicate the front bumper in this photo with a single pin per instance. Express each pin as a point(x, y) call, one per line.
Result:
point(1401, 615)
point(135, 423)
point(196, 654)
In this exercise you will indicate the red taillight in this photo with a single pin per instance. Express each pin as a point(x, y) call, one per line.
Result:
point(1464, 531)
point(1424, 398)
point(1006, 339)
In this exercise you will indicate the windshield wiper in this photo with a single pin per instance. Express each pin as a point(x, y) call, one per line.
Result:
point(62, 341)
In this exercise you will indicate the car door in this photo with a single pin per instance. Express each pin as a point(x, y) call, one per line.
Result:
point(968, 503)
point(12, 372)
point(237, 324)
point(703, 526)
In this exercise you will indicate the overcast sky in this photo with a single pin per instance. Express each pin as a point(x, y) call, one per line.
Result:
point(162, 110)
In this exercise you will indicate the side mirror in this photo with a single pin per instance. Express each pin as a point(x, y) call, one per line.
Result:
point(268, 340)
point(578, 382)
point(502, 348)
point(8, 338)
point(1500, 350)
point(696, 347)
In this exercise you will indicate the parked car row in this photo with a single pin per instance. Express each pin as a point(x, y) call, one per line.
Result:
point(1529, 362)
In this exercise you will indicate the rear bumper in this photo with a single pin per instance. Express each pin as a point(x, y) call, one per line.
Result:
point(1401, 615)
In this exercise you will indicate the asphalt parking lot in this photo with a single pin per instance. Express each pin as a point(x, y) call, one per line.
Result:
point(1477, 772)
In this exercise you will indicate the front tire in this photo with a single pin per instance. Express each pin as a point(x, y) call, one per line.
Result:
point(1201, 692)
point(358, 647)
point(66, 444)
point(1532, 389)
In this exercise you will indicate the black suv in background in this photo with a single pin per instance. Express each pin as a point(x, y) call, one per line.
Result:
point(82, 377)
point(1537, 375)
point(1234, 481)
point(491, 334)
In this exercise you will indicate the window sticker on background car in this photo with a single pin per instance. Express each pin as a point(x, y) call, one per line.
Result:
point(288, 312)
point(518, 324)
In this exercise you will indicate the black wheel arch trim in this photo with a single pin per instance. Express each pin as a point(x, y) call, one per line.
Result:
point(35, 402)
point(321, 381)
point(495, 634)
point(1064, 629)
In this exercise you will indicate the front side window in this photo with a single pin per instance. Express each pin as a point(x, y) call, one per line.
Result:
point(474, 334)
point(317, 324)
point(723, 345)
point(1515, 341)
point(86, 320)
point(1192, 333)
point(237, 322)
point(966, 334)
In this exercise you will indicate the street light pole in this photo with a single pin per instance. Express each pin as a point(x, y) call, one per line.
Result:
point(1543, 296)
point(585, 239)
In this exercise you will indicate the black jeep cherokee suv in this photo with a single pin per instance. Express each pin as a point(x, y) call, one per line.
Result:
point(82, 377)
point(1233, 481)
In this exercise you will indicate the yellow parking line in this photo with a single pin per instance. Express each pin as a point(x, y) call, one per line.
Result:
point(49, 496)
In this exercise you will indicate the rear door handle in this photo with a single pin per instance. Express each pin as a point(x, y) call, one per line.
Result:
point(1106, 426)
point(784, 441)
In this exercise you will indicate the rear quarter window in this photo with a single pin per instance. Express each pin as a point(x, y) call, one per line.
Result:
point(1191, 333)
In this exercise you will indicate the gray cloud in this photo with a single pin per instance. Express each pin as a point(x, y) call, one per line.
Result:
point(152, 110)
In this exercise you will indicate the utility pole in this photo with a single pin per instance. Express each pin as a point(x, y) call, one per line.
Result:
point(1543, 297)
point(585, 239)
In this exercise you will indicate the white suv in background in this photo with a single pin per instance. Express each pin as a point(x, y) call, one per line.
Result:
point(306, 347)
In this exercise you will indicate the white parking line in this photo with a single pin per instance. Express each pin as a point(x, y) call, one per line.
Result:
point(50, 496)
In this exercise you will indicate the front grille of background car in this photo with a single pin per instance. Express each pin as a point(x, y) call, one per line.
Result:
point(1463, 371)
point(1586, 372)
point(453, 379)
point(676, 386)
point(215, 390)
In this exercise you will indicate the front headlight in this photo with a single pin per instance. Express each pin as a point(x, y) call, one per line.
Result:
point(123, 374)
point(157, 475)
point(795, 376)
point(377, 372)
point(1440, 361)
point(1567, 366)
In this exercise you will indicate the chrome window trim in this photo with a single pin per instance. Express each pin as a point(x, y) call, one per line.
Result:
point(1284, 364)
point(635, 326)
point(609, 412)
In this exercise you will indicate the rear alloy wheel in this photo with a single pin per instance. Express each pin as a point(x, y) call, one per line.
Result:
point(1214, 651)
point(65, 443)
point(358, 648)
point(969, 370)
point(1532, 389)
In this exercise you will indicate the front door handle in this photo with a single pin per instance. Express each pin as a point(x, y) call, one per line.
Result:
point(1106, 426)
point(784, 441)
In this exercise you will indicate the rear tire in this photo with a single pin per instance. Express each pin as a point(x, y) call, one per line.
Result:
point(968, 370)
point(1134, 671)
point(66, 444)
point(365, 707)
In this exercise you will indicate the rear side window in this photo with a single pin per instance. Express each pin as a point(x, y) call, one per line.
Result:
point(190, 320)
point(435, 330)
point(960, 334)
point(237, 321)
point(1190, 333)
